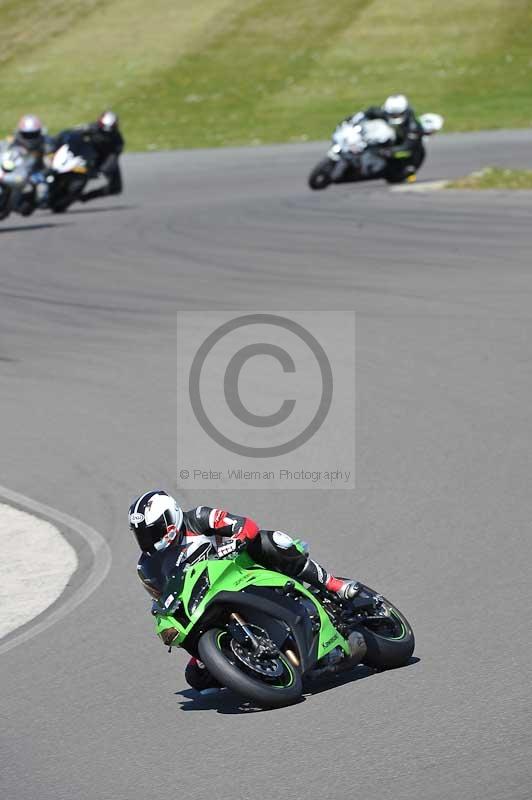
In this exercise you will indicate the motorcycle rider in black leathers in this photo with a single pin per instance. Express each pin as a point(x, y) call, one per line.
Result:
point(105, 137)
point(167, 536)
point(398, 113)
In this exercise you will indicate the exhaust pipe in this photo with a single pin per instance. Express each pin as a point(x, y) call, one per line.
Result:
point(357, 651)
point(357, 647)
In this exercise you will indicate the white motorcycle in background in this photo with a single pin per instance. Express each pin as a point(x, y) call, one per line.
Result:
point(359, 152)
point(17, 191)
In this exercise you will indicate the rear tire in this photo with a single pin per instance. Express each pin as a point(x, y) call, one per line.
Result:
point(399, 173)
point(320, 177)
point(5, 206)
point(229, 674)
point(398, 177)
point(26, 209)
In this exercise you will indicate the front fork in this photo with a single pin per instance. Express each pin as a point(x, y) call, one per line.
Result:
point(244, 633)
point(341, 162)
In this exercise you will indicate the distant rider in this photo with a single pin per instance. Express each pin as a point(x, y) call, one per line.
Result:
point(106, 139)
point(167, 536)
point(31, 140)
point(399, 114)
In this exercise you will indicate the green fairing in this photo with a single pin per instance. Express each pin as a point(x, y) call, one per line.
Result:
point(233, 575)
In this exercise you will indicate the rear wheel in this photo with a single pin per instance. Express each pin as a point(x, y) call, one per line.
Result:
point(271, 683)
point(398, 172)
point(26, 208)
point(389, 639)
point(395, 177)
point(320, 177)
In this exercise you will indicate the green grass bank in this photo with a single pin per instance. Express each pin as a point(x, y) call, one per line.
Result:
point(494, 178)
point(228, 72)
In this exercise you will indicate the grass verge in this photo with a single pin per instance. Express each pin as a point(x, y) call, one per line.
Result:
point(494, 178)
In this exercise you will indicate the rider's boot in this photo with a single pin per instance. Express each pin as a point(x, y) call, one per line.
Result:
point(410, 173)
point(317, 576)
point(198, 676)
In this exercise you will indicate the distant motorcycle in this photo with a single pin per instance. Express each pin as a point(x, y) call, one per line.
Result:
point(17, 191)
point(70, 168)
point(362, 152)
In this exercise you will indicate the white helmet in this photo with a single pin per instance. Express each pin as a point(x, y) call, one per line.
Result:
point(107, 122)
point(29, 130)
point(396, 106)
point(155, 519)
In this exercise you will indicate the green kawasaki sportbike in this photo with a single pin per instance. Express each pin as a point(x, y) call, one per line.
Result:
point(261, 633)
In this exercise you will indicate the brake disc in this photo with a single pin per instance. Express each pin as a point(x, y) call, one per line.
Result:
point(265, 660)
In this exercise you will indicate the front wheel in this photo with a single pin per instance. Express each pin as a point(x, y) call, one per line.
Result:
point(320, 177)
point(270, 684)
point(67, 189)
point(389, 638)
point(5, 205)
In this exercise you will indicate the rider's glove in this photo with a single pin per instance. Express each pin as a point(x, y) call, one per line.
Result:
point(233, 546)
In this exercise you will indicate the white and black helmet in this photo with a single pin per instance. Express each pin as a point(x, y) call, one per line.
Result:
point(396, 107)
point(107, 122)
point(156, 519)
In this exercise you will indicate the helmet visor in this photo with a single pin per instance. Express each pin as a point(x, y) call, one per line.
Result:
point(30, 136)
point(144, 537)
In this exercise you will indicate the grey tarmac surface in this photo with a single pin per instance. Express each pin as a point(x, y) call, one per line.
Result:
point(94, 707)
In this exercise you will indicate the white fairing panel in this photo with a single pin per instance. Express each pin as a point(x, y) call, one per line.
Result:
point(64, 160)
point(377, 131)
point(349, 137)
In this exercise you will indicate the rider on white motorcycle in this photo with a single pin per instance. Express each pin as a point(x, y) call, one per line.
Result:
point(398, 113)
point(31, 137)
point(32, 143)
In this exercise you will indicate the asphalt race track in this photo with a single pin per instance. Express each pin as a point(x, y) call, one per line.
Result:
point(94, 708)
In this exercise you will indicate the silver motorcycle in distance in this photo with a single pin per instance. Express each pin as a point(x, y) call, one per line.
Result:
point(17, 190)
point(366, 149)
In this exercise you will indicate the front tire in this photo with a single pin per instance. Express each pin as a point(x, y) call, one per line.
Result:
point(5, 206)
point(320, 177)
point(216, 656)
point(390, 645)
point(396, 177)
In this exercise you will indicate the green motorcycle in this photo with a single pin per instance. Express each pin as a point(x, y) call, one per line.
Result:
point(260, 633)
